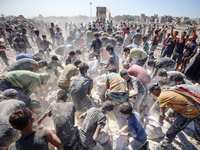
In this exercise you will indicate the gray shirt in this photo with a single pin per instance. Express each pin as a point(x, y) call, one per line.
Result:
point(45, 44)
point(137, 38)
point(96, 44)
point(38, 40)
point(93, 119)
point(127, 39)
point(114, 61)
point(63, 118)
point(136, 83)
point(79, 86)
point(22, 64)
point(171, 74)
point(163, 62)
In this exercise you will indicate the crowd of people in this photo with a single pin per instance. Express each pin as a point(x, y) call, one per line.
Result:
point(134, 70)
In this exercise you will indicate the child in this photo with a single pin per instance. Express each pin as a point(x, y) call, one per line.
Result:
point(31, 140)
point(47, 55)
point(145, 44)
point(3, 54)
point(44, 43)
point(71, 58)
point(78, 54)
point(53, 65)
point(134, 125)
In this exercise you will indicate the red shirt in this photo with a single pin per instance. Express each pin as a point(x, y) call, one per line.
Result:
point(2, 52)
point(140, 73)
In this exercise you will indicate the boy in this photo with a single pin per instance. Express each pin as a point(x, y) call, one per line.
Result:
point(134, 125)
point(96, 45)
point(45, 44)
point(78, 54)
point(53, 65)
point(71, 58)
point(30, 140)
point(145, 44)
point(3, 54)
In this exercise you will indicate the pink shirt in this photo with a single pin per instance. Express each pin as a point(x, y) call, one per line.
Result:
point(140, 73)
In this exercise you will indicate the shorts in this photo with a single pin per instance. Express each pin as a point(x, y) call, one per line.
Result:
point(4, 57)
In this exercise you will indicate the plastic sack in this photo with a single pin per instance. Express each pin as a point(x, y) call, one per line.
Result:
point(101, 85)
point(92, 67)
point(153, 128)
point(118, 142)
point(103, 138)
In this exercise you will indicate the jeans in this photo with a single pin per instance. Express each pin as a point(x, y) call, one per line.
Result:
point(178, 125)
point(153, 47)
point(168, 54)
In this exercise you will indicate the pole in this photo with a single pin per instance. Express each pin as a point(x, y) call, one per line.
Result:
point(90, 10)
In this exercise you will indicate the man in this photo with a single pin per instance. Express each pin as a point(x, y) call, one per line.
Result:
point(128, 39)
point(22, 120)
point(118, 37)
point(138, 72)
point(137, 38)
point(116, 89)
point(57, 37)
point(24, 36)
point(180, 46)
point(69, 71)
point(179, 79)
point(80, 87)
point(108, 41)
point(89, 36)
point(71, 58)
point(140, 54)
point(19, 44)
point(96, 45)
point(25, 81)
point(27, 64)
point(155, 41)
point(190, 51)
point(145, 44)
point(169, 76)
point(136, 88)
point(94, 121)
point(8, 135)
point(109, 31)
point(136, 129)
point(183, 105)
point(62, 114)
point(44, 43)
point(52, 33)
point(38, 40)
point(164, 62)
point(114, 59)
point(190, 29)
point(70, 37)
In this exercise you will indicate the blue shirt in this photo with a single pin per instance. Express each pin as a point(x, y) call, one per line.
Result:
point(136, 128)
point(22, 55)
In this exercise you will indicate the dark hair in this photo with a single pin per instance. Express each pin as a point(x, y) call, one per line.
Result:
point(138, 30)
point(78, 52)
point(126, 49)
point(112, 69)
point(125, 108)
point(43, 62)
point(127, 28)
point(162, 73)
point(178, 77)
point(72, 53)
point(156, 32)
point(23, 29)
point(144, 37)
point(54, 57)
point(123, 72)
point(20, 119)
point(62, 95)
point(154, 86)
point(176, 32)
point(168, 34)
point(151, 62)
point(184, 32)
point(83, 67)
point(41, 51)
point(77, 62)
point(107, 106)
point(37, 32)
point(44, 36)
point(110, 48)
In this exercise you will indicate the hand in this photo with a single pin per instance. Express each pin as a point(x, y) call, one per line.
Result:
point(88, 51)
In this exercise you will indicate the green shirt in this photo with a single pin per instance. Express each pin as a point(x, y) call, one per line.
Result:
point(24, 80)
point(146, 44)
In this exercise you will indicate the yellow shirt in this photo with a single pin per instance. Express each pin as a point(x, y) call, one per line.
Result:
point(139, 53)
point(182, 104)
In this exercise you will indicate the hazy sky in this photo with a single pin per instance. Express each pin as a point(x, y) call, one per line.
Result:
point(30, 8)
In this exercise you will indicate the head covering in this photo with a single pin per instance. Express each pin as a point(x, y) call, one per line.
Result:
point(10, 93)
point(44, 78)
point(153, 86)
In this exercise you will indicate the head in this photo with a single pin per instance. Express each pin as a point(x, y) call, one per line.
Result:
point(125, 109)
point(183, 34)
point(112, 69)
point(58, 29)
point(78, 52)
point(23, 31)
point(18, 35)
point(155, 89)
point(126, 65)
point(110, 49)
point(10, 94)
point(127, 30)
point(151, 54)
point(34, 106)
point(127, 50)
point(42, 64)
point(138, 30)
point(72, 54)
point(21, 119)
point(107, 107)
point(48, 50)
point(62, 96)
point(83, 68)
point(151, 63)
point(144, 38)
point(44, 37)
point(105, 39)
point(37, 32)
point(168, 35)
point(124, 74)
point(157, 31)
point(178, 79)
point(162, 73)
point(54, 59)
point(175, 33)
point(77, 62)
